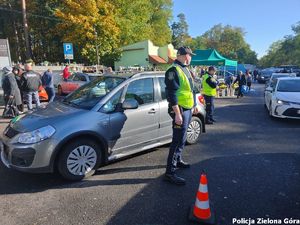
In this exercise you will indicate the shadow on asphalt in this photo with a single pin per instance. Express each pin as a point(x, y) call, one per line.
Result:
point(249, 185)
point(259, 185)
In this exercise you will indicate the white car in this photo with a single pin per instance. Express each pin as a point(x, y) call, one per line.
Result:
point(282, 98)
point(278, 75)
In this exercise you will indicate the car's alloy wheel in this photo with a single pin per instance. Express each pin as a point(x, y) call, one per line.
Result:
point(194, 130)
point(81, 160)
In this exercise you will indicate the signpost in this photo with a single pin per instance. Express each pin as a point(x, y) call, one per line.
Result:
point(68, 51)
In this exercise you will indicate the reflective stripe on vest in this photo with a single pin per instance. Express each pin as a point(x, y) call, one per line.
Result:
point(206, 89)
point(184, 94)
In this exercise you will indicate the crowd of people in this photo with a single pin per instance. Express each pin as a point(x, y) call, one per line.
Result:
point(21, 85)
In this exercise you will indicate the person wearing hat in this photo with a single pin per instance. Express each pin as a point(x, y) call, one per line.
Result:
point(30, 83)
point(179, 90)
point(10, 87)
point(209, 89)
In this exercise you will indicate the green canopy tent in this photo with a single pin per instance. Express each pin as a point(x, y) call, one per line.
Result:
point(211, 57)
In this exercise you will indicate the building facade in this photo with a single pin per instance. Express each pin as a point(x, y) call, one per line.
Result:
point(145, 55)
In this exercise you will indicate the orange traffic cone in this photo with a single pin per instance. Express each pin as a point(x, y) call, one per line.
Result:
point(201, 211)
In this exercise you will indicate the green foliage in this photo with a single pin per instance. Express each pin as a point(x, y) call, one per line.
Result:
point(180, 34)
point(284, 52)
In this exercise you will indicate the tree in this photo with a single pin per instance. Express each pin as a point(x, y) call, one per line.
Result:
point(230, 42)
point(180, 34)
point(87, 24)
point(284, 52)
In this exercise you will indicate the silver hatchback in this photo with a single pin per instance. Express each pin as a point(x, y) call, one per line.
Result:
point(106, 119)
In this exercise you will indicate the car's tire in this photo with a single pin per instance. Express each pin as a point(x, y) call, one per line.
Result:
point(79, 159)
point(194, 130)
point(59, 91)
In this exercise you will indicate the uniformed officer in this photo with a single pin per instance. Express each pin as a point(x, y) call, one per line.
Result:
point(209, 90)
point(179, 90)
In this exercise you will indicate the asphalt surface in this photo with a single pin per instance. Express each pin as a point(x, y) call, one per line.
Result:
point(252, 164)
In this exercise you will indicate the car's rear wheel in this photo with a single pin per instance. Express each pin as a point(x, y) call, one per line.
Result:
point(59, 91)
point(79, 159)
point(194, 130)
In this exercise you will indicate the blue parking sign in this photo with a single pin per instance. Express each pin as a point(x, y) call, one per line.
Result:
point(68, 51)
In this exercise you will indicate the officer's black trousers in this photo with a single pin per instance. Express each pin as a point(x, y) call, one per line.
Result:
point(178, 140)
point(209, 107)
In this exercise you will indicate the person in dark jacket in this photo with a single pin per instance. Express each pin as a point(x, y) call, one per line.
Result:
point(30, 83)
point(181, 98)
point(10, 87)
point(241, 80)
point(209, 90)
point(47, 81)
point(17, 70)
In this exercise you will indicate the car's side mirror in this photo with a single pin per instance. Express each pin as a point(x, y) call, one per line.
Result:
point(130, 104)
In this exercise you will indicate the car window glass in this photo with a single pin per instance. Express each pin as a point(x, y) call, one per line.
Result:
point(110, 106)
point(72, 76)
point(88, 95)
point(76, 77)
point(141, 90)
point(162, 88)
point(82, 78)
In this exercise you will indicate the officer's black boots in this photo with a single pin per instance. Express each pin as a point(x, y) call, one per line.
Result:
point(182, 164)
point(173, 178)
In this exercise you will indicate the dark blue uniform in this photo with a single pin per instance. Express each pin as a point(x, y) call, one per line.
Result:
point(179, 131)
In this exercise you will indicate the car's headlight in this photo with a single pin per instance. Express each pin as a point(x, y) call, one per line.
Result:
point(36, 135)
point(262, 77)
point(281, 102)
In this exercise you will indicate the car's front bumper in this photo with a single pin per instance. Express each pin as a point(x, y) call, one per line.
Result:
point(33, 158)
point(287, 111)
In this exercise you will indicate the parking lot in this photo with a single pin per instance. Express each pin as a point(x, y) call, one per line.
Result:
point(252, 163)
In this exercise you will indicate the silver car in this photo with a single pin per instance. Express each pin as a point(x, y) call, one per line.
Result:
point(108, 118)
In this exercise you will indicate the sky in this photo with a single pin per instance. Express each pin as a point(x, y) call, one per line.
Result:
point(265, 21)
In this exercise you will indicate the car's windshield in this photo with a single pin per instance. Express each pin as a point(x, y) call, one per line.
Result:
point(289, 86)
point(88, 95)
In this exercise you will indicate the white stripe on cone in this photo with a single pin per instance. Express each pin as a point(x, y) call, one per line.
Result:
point(203, 188)
point(202, 204)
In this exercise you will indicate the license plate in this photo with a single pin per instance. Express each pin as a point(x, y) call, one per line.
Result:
point(298, 111)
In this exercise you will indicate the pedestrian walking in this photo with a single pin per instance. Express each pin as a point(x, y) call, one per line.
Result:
point(30, 83)
point(10, 88)
point(47, 82)
point(241, 80)
point(248, 79)
point(66, 73)
point(228, 82)
point(179, 90)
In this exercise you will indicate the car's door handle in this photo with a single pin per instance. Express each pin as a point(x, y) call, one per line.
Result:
point(152, 111)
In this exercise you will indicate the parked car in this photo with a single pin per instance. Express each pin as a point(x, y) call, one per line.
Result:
point(75, 81)
point(282, 98)
point(106, 119)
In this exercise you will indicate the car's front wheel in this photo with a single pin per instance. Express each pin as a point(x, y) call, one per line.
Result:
point(194, 130)
point(79, 159)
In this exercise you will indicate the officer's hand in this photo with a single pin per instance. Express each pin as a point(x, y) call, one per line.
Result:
point(11, 96)
point(178, 119)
